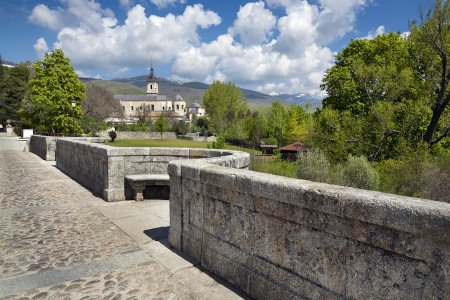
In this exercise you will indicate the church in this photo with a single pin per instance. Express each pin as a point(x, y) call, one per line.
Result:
point(152, 105)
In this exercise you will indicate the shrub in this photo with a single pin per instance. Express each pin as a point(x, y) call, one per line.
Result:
point(313, 165)
point(357, 172)
point(112, 134)
point(219, 143)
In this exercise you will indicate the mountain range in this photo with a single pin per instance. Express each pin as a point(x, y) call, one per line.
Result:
point(193, 91)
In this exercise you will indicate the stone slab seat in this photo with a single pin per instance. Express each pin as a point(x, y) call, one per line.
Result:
point(141, 181)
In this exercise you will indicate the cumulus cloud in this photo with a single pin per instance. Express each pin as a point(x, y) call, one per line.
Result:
point(40, 47)
point(254, 23)
point(50, 18)
point(99, 41)
point(284, 54)
point(164, 3)
point(374, 33)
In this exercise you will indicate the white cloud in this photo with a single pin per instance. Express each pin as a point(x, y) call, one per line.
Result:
point(405, 34)
point(254, 23)
point(288, 54)
point(374, 33)
point(164, 3)
point(42, 15)
point(134, 42)
point(40, 47)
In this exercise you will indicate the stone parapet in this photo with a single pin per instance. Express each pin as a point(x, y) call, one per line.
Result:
point(45, 146)
point(102, 169)
point(280, 238)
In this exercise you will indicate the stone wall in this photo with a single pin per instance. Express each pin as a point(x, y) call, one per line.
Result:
point(140, 135)
point(102, 169)
point(45, 146)
point(197, 138)
point(280, 238)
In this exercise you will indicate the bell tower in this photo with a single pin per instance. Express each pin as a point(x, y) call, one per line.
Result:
point(152, 83)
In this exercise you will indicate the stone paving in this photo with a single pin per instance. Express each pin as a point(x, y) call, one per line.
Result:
point(58, 241)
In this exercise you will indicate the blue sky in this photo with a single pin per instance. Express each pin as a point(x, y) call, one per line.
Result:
point(273, 46)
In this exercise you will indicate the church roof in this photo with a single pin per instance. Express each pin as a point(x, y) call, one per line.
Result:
point(151, 77)
point(195, 105)
point(140, 97)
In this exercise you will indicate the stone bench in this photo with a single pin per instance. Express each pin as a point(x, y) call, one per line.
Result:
point(141, 181)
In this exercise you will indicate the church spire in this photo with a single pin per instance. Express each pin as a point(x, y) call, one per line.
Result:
point(152, 83)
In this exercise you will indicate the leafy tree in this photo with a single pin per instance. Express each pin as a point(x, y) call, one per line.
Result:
point(100, 103)
point(256, 127)
point(13, 87)
point(226, 108)
point(299, 124)
point(277, 119)
point(431, 42)
point(48, 106)
point(367, 71)
point(180, 127)
point(161, 125)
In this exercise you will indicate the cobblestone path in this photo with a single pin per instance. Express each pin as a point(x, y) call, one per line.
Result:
point(58, 241)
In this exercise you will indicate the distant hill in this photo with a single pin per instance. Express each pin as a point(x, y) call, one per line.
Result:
point(118, 88)
point(193, 91)
point(8, 64)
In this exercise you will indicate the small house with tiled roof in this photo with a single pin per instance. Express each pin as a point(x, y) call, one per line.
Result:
point(290, 152)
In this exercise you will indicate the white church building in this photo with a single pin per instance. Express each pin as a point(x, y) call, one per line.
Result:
point(152, 105)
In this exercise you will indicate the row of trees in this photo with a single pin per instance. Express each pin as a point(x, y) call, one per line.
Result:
point(49, 97)
point(13, 86)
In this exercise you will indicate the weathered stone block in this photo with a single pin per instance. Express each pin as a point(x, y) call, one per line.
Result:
point(228, 261)
point(316, 255)
point(269, 281)
point(380, 274)
point(231, 223)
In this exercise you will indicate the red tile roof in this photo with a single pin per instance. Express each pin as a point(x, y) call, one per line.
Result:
point(295, 147)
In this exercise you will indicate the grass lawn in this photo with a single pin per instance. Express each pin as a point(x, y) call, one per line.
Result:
point(158, 143)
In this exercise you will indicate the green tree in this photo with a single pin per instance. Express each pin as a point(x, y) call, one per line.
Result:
point(161, 125)
point(256, 127)
point(431, 42)
point(226, 108)
point(277, 120)
point(13, 87)
point(48, 105)
point(180, 127)
point(367, 71)
point(299, 124)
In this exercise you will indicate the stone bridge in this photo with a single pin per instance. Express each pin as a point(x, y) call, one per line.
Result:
point(270, 237)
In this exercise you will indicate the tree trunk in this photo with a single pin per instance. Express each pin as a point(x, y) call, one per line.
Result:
point(431, 130)
point(441, 102)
